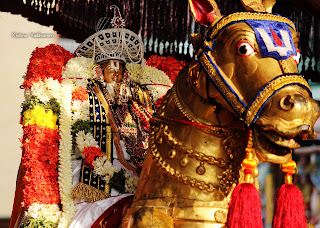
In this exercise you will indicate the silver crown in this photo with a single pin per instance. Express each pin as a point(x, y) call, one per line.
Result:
point(112, 43)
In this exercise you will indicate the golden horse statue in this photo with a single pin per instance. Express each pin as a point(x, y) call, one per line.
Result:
point(244, 76)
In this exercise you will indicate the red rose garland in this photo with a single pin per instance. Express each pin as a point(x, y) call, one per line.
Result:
point(40, 146)
point(80, 94)
point(90, 154)
point(168, 65)
point(46, 62)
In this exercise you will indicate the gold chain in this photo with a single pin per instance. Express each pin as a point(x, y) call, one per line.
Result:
point(209, 187)
point(172, 141)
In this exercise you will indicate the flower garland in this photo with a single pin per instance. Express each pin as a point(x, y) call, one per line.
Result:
point(56, 92)
point(40, 145)
point(40, 142)
point(50, 212)
point(65, 150)
point(80, 94)
point(169, 65)
point(158, 75)
point(45, 63)
point(72, 98)
point(156, 81)
point(41, 117)
point(101, 166)
point(39, 159)
point(105, 169)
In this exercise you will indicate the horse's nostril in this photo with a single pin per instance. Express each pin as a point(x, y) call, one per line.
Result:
point(287, 102)
point(306, 132)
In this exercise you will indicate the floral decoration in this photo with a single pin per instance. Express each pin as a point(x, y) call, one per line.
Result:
point(84, 139)
point(156, 81)
point(33, 101)
point(46, 62)
point(41, 117)
point(65, 153)
point(90, 153)
point(40, 146)
point(117, 178)
point(169, 65)
point(158, 75)
point(47, 212)
point(79, 68)
point(55, 115)
point(80, 94)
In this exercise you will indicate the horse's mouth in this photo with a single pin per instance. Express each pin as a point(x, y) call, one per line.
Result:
point(281, 141)
point(274, 147)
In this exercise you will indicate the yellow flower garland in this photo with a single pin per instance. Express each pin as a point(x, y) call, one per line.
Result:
point(41, 117)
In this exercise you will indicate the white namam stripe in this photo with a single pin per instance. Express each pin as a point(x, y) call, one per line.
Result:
point(271, 47)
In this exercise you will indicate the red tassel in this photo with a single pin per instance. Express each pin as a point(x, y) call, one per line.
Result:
point(244, 208)
point(289, 208)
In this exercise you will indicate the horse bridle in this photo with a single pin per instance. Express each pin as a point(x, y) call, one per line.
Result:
point(248, 112)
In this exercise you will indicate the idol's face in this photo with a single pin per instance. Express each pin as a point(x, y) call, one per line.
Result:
point(112, 71)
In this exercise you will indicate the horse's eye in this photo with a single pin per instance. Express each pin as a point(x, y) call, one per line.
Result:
point(245, 49)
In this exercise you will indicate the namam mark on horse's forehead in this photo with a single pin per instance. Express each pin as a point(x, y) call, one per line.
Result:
point(232, 34)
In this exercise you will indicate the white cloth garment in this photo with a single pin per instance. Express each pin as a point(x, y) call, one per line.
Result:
point(87, 213)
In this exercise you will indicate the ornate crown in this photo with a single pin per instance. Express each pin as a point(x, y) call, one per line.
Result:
point(112, 43)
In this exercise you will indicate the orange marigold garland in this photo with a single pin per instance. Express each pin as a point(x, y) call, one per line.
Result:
point(47, 62)
point(40, 146)
point(90, 154)
point(169, 65)
point(80, 94)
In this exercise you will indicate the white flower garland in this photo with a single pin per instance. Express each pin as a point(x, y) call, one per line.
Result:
point(80, 111)
point(158, 83)
point(85, 140)
point(79, 67)
point(65, 150)
point(51, 212)
point(104, 168)
point(44, 90)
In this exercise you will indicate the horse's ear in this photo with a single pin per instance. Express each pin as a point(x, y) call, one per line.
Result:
point(268, 5)
point(259, 5)
point(204, 11)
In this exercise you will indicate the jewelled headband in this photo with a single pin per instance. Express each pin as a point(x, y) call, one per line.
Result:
point(247, 112)
point(225, 21)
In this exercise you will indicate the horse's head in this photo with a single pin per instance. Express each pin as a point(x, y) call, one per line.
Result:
point(251, 60)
